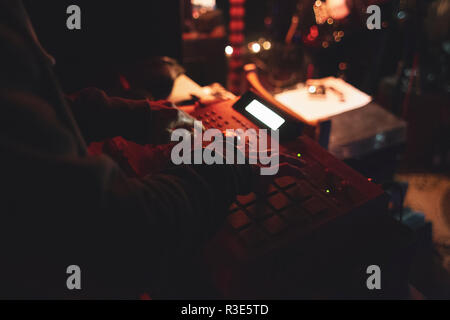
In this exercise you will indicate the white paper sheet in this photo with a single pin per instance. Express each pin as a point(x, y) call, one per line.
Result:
point(314, 109)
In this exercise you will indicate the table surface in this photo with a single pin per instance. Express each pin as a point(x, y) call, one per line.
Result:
point(359, 132)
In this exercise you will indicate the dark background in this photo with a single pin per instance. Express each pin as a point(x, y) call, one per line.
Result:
point(113, 34)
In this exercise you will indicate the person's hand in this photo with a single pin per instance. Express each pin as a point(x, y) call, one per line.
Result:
point(276, 164)
point(166, 118)
point(288, 166)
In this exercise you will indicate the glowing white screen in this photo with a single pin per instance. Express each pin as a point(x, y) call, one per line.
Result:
point(264, 114)
point(204, 3)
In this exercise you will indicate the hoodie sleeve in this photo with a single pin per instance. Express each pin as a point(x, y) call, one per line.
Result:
point(60, 207)
point(100, 117)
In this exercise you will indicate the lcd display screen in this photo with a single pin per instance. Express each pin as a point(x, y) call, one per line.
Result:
point(265, 115)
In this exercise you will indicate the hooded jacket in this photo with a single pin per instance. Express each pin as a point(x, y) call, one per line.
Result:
point(60, 206)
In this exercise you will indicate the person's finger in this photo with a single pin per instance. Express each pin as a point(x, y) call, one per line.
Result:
point(283, 158)
point(183, 125)
point(295, 161)
point(267, 158)
point(286, 169)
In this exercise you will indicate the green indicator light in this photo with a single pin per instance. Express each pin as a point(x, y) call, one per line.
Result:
point(327, 191)
point(299, 155)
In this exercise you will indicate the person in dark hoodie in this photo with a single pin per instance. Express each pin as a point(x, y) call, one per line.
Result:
point(61, 206)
